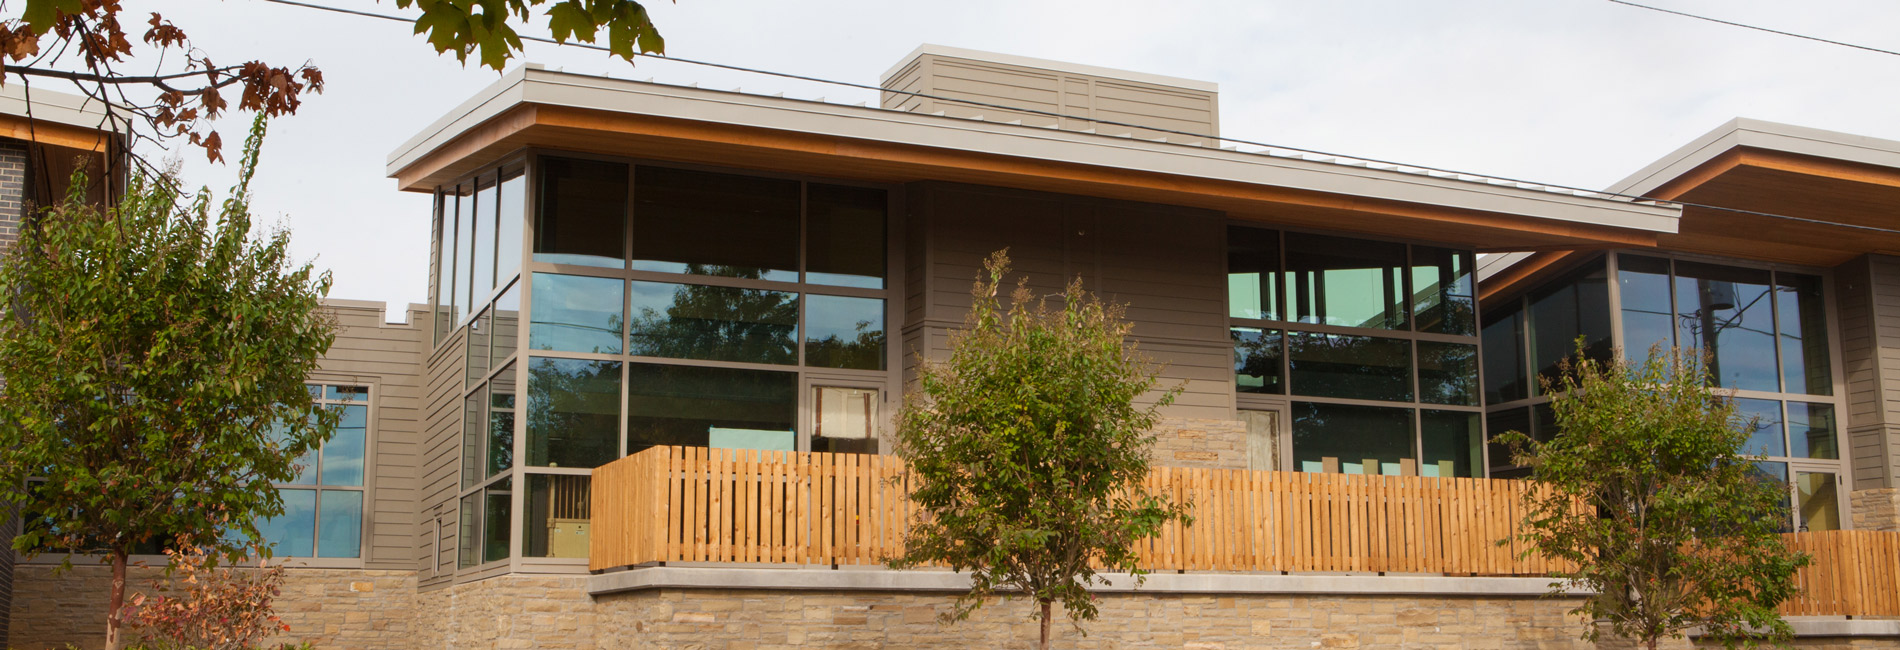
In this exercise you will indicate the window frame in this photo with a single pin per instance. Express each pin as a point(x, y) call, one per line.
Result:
point(365, 532)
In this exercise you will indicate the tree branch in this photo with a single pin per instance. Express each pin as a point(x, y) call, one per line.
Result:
point(116, 79)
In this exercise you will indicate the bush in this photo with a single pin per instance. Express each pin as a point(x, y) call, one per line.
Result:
point(201, 606)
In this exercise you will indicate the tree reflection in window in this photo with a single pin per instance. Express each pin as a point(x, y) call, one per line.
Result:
point(692, 321)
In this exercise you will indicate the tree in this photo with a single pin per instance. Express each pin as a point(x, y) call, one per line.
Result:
point(1647, 498)
point(154, 358)
point(185, 91)
point(1030, 450)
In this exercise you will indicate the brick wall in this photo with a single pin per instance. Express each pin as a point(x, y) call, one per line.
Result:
point(12, 193)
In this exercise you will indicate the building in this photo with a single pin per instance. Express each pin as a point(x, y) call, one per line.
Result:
point(621, 265)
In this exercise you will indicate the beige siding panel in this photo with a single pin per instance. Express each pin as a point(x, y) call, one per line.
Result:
point(1086, 96)
point(438, 477)
point(386, 357)
point(1868, 304)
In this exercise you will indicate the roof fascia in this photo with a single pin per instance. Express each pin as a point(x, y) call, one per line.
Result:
point(1741, 133)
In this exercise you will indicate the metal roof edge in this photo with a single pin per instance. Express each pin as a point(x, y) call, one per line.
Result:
point(1760, 134)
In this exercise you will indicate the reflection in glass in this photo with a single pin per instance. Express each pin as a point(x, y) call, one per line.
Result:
point(1578, 306)
point(464, 247)
point(1453, 443)
point(843, 332)
point(1776, 474)
point(294, 533)
point(558, 516)
point(501, 422)
point(476, 351)
point(1355, 367)
point(1811, 431)
point(1819, 504)
point(1761, 418)
point(1443, 296)
point(574, 313)
point(441, 265)
point(1805, 365)
point(467, 544)
point(1257, 355)
point(1352, 439)
point(505, 331)
point(340, 528)
point(710, 407)
point(1346, 282)
point(844, 236)
point(705, 223)
point(696, 321)
point(509, 206)
point(497, 504)
point(1649, 317)
point(472, 439)
point(343, 393)
point(483, 261)
point(343, 452)
point(1447, 373)
point(1503, 340)
point(583, 215)
point(1726, 312)
point(573, 412)
point(1253, 273)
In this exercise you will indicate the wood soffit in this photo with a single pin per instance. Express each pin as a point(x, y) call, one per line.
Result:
point(658, 138)
point(51, 133)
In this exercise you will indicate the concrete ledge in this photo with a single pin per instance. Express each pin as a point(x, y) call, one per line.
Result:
point(1814, 626)
point(1197, 583)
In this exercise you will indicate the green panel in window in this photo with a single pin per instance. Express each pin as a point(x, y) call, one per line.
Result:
point(1443, 296)
point(1253, 273)
point(1345, 282)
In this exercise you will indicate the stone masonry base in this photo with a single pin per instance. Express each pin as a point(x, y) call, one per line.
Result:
point(1875, 509)
point(334, 609)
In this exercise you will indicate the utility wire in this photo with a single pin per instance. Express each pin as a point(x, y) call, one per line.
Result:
point(1481, 179)
point(1759, 29)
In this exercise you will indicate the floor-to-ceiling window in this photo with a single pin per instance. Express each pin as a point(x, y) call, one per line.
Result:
point(1373, 343)
point(658, 305)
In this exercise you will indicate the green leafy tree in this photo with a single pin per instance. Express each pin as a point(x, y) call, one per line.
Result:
point(85, 42)
point(1649, 499)
point(1030, 450)
point(154, 355)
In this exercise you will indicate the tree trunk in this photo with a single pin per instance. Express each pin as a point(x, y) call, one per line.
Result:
point(117, 599)
point(1045, 628)
point(1650, 642)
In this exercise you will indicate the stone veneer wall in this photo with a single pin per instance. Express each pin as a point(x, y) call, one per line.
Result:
point(508, 612)
point(328, 608)
point(1191, 442)
point(1875, 509)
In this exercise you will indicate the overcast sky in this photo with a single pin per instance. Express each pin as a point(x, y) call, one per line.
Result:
point(1573, 92)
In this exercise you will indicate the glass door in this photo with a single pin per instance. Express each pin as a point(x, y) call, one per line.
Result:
point(1818, 493)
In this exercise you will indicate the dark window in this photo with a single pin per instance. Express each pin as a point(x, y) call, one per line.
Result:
point(575, 313)
point(1253, 273)
point(501, 422)
point(1355, 367)
point(1453, 443)
point(710, 407)
point(497, 503)
point(1345, 282)
point(703, 223)
point(1727, 313)
point(844, 236)
point(1360, 439)
point(468, 543)
point(1257, 356)
point(1649, 318)
point(444, 253)
point(1577, 306)
point(1443, 298)
point(1448, 373)
point(1498, 423)
point(1805, 362)
point(1503, 340)
point(843, 332)
point(696, 321)
point(583, 213)
point(573, 412)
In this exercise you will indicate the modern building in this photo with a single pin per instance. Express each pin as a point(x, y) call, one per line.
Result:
point(620, 265)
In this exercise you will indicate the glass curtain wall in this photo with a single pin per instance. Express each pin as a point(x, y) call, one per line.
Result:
point(664, 306)
point(1374, 343)
point(1764, 333)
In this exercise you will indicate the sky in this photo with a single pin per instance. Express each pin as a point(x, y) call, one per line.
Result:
point(1569, 92)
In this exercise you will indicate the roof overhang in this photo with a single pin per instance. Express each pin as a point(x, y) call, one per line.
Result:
point(54, 118)
point(533, 107)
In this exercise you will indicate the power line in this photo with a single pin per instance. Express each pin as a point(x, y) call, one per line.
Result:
point(1759, 29)
point(1449, 173)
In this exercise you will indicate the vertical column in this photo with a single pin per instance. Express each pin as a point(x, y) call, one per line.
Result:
point(1868, 311)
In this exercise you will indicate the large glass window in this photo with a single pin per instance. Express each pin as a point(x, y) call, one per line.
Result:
point(844, 332)
point(442, 266)
point(323, 507)
point(1802, 317)
point(509, 216)
point(705, 223)
point(1452, 443)
point(1253, 273)
point(710, 407)
point(1649, 316)
point(573, 412)
point(575, 313)
point(1354, 367)
point(459, 305)
point(1504, 379)
point(1727, 313)
point(1577, 306)
point(844, 236)
point(583, 213)
point(1447, 373)
point(497, 502)
point(1345, 282)
point(482, 264)
point(558, 516)
point(713, 323)
point(1351, 439)
point(500, 441)
point(1761, 418)
point(1257, 357)
point(1812, 432)
point(1444, 295)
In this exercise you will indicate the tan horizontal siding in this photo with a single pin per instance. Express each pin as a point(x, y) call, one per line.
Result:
point(386, 357)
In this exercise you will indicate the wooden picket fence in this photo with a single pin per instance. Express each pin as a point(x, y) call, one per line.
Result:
point(689, 504)
point(1853, 573)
